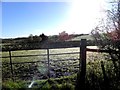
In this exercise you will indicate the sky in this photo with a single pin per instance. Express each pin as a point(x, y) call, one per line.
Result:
point(20, 19)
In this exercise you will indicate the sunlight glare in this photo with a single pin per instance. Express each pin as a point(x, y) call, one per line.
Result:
point(83, 16)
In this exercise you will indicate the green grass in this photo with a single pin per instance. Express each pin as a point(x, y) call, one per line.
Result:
point(38, 52)
point(94, 75)
point(94, 80)
point(51, 84)
point(32, 68)
point(55, 61)
point(78, 38)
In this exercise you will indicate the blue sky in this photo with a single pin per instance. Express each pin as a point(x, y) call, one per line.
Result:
point(23, 18)
point(20, 19)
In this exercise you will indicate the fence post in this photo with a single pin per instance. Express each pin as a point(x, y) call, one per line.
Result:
point(11, 65)
point(106, 81)
point(48, 63)
point(80, 83)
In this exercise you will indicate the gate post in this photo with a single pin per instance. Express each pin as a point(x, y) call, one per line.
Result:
point(80, 83)
point(48, 63)
point(11, 65)
point(83, 58)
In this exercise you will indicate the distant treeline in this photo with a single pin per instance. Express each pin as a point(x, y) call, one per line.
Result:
point(29, 39)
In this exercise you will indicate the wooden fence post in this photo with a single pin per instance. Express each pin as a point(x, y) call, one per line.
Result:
point(11, 65)
point(48, 63)
point(80, 83)
point(83, 55)
point(106, 81)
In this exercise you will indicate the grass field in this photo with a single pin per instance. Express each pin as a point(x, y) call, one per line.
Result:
point(42, 52)
point(33, 68)
point(78, 38)
point(39, 52)
point(62, 64)
point(26, 71)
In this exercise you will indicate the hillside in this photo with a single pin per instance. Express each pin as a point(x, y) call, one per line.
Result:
point(78, 38)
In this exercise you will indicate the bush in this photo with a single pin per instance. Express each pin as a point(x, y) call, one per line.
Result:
point(67, 86)
point(10, 85)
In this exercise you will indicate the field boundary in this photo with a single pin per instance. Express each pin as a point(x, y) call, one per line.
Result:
point(56, 45)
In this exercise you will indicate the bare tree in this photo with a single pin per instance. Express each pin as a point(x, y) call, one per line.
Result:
point(107, 34)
